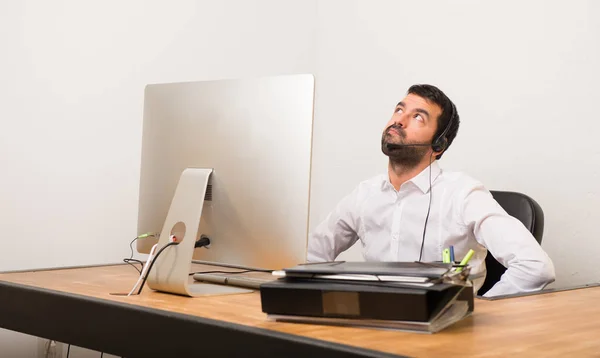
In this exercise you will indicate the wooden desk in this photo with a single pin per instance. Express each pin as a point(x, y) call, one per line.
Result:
point(75, 306)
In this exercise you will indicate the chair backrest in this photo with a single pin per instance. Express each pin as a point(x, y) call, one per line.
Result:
point(526, 210)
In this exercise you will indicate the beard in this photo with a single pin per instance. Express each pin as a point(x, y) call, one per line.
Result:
point(406, 156)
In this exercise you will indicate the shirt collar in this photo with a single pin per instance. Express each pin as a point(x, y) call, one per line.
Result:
point(420, 180)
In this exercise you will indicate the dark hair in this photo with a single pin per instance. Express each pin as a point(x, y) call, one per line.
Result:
point(449, 113)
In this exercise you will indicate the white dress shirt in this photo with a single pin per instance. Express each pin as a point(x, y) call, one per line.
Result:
point(389, 225)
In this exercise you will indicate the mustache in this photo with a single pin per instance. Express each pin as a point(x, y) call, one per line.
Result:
point(398, 129)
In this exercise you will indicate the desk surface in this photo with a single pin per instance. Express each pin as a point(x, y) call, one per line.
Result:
point(557, 323)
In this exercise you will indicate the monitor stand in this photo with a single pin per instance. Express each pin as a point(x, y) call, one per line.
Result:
point(170, 272)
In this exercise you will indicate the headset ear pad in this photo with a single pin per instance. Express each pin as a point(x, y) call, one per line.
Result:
point(440, 144)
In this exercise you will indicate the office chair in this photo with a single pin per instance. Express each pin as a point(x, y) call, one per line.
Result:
point(526, 210)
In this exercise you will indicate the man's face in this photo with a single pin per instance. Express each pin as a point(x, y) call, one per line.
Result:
point(414, 121)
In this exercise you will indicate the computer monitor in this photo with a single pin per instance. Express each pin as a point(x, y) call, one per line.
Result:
point(255, 135)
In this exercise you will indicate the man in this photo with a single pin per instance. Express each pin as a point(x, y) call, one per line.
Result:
point(417, 209)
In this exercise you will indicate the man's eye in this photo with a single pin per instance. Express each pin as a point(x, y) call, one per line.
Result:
point(419, 118)
point(399, 110)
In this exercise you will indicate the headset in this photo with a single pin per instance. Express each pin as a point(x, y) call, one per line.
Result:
point(441, 142)
point(438, 145)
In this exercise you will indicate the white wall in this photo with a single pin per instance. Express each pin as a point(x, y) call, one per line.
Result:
point(525, 78)
point(72, 76)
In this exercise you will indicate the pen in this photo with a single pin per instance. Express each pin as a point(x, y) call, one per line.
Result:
point(446, 256)
point(452, 254)
point(465, 260)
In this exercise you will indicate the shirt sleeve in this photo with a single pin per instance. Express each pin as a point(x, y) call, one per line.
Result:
point(337, 233)
point(528, 266)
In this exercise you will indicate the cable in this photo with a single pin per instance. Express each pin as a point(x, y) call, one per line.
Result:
point(145, 269)
point(131, 259)
point(428, 209)
point(68, 350)
point(152, 264)
point(101, 354)
point(202, 242)
point(205, 241)
point(131, 246)
point(240, 267)
point(229, 272)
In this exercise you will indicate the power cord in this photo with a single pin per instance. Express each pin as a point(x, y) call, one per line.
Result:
point(152, 264)
point(149, 262)
point(204, 241)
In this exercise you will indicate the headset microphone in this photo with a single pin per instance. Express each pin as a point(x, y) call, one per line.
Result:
point(392, 146)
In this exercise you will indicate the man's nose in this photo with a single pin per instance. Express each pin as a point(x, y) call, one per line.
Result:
point(401, 120)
